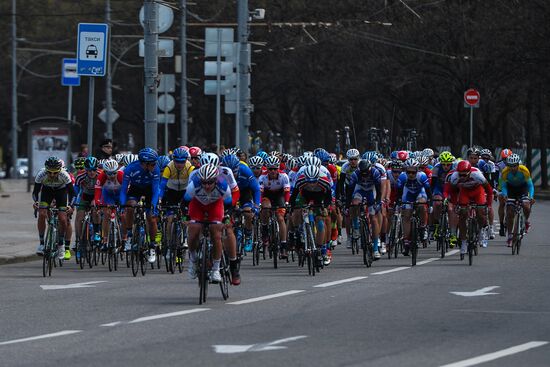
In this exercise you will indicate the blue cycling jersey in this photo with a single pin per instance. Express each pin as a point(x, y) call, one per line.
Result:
point(366, 182)
point(135, 175)
point(246, 180)
point(414, 185)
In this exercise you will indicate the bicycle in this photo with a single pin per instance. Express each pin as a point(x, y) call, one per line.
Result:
point(309, 252)
point(367, 246)
point(50, 244)
point(204, 261)
point(415, 229)
point(518, 224)
point(395, 236)
point(85, 246)
point(138, 253)
point(473, 230)
point(174, 252)
point(114, 237)
point(443, 231)
point(273, 235)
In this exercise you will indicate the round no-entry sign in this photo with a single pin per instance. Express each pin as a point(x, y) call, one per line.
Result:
point(471, 97)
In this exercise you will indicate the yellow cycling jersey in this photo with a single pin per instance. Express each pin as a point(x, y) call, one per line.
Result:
point(177, 179)
point(338, 170)
point(519, 178)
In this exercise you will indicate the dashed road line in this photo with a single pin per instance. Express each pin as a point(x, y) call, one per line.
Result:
point(329, 284)
point(44, 336)
point(263, 298)
point(170, 314)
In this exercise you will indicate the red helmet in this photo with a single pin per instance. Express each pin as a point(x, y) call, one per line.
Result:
point(464, 166)
point(185, 147)
point(403, 155)
point(505, 153)
point(195, 152)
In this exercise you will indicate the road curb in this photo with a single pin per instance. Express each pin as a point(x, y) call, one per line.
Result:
point(542, 196)
point(6, 259)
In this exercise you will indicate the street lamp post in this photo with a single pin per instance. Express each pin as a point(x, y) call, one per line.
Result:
point(14, 145)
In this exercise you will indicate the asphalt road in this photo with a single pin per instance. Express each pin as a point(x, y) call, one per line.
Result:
point(389, 315)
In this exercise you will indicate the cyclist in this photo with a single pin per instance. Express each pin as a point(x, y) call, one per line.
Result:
point(343, 191)
point(516, 183)
point(472, 187)
point(207, 193)
point(85, 190)
point(107, 192)
point(275, 189)
point(395, 167)
point(313, 187)
point(195, 155)
point(366, 187)
point(256, 164)
point(414, 187)
point(500, 166)
point(141, 179)
point(331, 220)
point(439, 173)
point(53, 183)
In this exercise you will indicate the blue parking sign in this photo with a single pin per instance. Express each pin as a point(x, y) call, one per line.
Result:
point(92, 49)
point(69, 76)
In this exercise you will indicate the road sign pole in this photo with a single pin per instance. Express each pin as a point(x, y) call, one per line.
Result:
point(70, 104)
point(14, 124)
point(91, 91)
point(218, 89)
point(108, 80)
point(471, 126)
point(183, 81)
point(165, 123)
point(151, 73)
point(243, 71)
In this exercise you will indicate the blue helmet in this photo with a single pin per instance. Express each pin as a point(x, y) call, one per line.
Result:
point(231, 161)
point(393, 155)
point(319, 152)
point(91, 164)
point(180, 155)
point(323, 155)
point(163, 161)
point(147, 155)
point(262, 155)
point(370, 156)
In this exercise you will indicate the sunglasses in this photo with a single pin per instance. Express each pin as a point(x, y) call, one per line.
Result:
point(446, 164)
point(354, 159)
point(51, 173)
point(195, 158)
point(151, 164)
point(272, 169)
point(111, 174)
point(209, 182)
point(411, 172)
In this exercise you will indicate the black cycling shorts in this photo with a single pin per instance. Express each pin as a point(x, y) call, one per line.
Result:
point(276, 198)
point(172, 197)
point(48, 194)
point(136, 192)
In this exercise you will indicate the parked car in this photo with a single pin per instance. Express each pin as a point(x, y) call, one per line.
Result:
point(21, 168)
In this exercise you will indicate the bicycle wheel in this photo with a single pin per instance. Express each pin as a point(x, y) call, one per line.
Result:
point(391, 238)
point(309, 250)
point(203, 271)
point(414, 242)
point(274, 242)
point(226, 276)
point(110, 246)
point(442, 236)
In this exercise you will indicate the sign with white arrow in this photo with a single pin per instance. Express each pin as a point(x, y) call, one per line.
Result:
point(261, 347)
point(71, 286)
point(480, 292)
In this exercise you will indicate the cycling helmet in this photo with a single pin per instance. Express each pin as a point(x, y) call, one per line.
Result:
point(323, 156)
point(255, 162)
point(275, 154)
point(364, 166)
point(472, 151)
point(319, 152)
point(180, 155)
point(195, 152)
point(110, 166)
point(227, 152)
point(403, 155)
point(396, 164)
point(185, 147)
point(79, 163)
point(210, 158)
point(464, 166)
point(446, 157)
point(147, 155)
point(486, 152)
point(352, 153)
point(163, 161)
point(513, 160)
point(286, 157)
point(428, 153)
point(423, 160)
point(312, 173)
point(383, 161)
point(411, 163)
point(333, 158)
point(313, 161)
point(262, 155)
point(91, 164)
point(118, 157)
point(308, 153)
point(370, 156)
point(301, 161)
point(292, 164)
point(129, 158)
point(393, 155)
point(272, 162)
point(412, 155)
point(208, 172)
point(231, 161)
point(505, 153)
point(53, 164)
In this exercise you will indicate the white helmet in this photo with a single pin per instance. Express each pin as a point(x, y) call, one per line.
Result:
point(255, 162)
point(313, 161)
point(423, 160)
point(129, 158)
point(411, 162)
point(110, 166)
point(312, 173)
point(210, 158)
point(513, 159)
point(118, 157)
point(353, 153)
point(308, 154)
point(427, 153)
point(208, 172)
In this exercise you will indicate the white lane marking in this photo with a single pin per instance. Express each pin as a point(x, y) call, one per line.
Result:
point(506, 312)
point(495, 355)
point(261, 347)
point(480, 292)
point(450, 253)
point(45, 336)
point(263, 298)
point(323, 285)
point(72, 286)
point(170, 314)
point(112, 324)
point(427, 261)
point(391, 270)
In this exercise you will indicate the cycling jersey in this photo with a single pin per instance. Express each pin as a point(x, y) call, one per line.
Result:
point(140, 180)
point(438, 178)
point(280, 184)
point(107, 191)
point(195, 191)
point(84, 184)
point(521, 179)
point(56, 187)
point(248, 185)
point(320, 191)
point(175, 179)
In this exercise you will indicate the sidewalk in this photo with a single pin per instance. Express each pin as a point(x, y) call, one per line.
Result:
point(19, 236)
